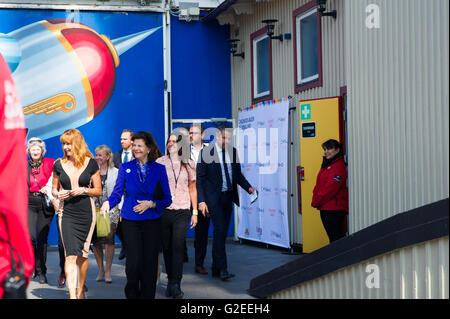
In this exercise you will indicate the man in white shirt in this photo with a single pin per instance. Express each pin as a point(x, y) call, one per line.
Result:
point(124, 155)
point(196, 135)
point(218, 175)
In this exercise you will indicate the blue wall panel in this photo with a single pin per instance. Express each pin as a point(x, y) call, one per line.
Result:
point(137, 102)
point(201, 81)
point(201, 78)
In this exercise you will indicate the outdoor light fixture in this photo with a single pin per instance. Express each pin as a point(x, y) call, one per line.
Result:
point(321, 7)
point(270, 26)
point(233, 48)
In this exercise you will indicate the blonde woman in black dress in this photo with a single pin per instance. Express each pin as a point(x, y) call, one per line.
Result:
point(76, 180)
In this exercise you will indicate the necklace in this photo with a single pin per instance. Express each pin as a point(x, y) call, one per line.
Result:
point(103, 180)
point(35, 166)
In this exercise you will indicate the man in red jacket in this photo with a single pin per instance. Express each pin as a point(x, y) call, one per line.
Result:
point(330, 195)
point(13, 181)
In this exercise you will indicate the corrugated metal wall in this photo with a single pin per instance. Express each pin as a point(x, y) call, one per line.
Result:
point(283, 70)
point(397, 81)
point(398, 108)
point(415, 272)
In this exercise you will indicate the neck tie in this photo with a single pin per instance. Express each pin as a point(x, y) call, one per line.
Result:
point(125, 158)
point(225, 167)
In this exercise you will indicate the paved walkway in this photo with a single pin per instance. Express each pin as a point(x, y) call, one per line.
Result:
point(246, 261)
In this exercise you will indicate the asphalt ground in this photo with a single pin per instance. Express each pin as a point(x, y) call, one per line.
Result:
point(245, 260)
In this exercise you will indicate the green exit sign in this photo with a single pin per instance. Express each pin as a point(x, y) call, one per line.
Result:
point(305, 111)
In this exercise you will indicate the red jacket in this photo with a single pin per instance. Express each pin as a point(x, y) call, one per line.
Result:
point(44, 174)
point(331, 192)
point(13, 179)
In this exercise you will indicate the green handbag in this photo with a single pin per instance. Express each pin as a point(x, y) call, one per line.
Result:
point(103, 224)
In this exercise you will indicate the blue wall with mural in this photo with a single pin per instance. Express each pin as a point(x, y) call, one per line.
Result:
point(132, 95)
point(136, 91)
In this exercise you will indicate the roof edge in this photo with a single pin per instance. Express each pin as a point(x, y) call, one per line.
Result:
point(221, 8)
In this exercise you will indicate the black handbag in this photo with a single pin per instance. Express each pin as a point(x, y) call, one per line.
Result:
point(14, 285)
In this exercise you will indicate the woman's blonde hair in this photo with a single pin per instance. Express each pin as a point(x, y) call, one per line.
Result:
point(108, 152)
point(79, 148)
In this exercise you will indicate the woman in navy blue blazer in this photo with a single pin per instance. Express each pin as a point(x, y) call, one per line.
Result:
point(146, 188)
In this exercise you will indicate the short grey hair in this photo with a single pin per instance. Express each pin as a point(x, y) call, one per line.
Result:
point(36, 141)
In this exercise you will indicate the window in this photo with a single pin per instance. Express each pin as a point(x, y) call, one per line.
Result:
point(261, 66)
point(308, 50)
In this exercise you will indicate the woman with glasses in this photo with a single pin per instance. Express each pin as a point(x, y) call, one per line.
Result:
point(175, 219)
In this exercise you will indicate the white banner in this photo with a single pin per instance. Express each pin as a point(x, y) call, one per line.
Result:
point(262, 141)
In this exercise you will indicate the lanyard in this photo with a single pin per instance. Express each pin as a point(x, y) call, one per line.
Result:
point(173, 170)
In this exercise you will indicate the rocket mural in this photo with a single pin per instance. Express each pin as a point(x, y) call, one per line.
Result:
point(64, 72)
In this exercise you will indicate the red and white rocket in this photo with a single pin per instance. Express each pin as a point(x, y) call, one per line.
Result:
point(65, 73)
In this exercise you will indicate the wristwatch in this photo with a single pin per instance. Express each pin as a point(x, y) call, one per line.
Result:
point(85, 191)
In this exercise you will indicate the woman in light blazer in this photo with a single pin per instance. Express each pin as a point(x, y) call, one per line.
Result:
point(108, 175)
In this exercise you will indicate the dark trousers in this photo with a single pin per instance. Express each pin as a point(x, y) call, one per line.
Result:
point(120, 234)
point(174, 226)
point(143, 240)
point(220, 214)
point(39, 225)
point(201, 238)
point(333, 222)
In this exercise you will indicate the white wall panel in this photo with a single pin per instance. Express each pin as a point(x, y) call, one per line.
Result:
point(414, 272)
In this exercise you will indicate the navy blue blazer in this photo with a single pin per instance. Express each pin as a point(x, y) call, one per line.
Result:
point(209, 176)
point(117, 158)
point(128, 183)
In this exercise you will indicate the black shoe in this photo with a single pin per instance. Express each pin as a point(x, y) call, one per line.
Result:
point(42, 279)
point(169, 290)
point(176, 291)
point(215, 272)
point(122, 254)
point(225, 275)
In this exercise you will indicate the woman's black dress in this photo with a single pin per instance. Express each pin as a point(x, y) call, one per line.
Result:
point(77, 221)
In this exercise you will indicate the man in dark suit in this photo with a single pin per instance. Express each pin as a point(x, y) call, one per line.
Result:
point(218, 174)
point(196, 135)
point(124, 155)
point(119, 157)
